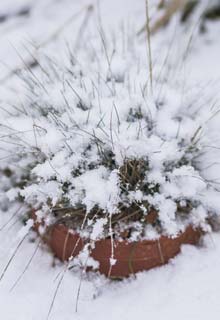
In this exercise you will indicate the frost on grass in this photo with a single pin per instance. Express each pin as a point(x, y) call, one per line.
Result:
point(91, 146)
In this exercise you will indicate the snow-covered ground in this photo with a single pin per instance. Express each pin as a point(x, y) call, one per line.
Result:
point(189, 286)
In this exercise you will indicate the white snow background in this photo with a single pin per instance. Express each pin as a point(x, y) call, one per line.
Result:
point(189, 286)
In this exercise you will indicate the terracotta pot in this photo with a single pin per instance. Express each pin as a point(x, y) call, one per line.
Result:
point(132, 257)
point(63, 243)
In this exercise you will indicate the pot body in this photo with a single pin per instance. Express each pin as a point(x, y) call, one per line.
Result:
point(63, 243)
point(133, 257)
point(130, 257)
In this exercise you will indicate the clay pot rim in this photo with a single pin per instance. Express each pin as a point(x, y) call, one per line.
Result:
point(62, 228)
point(123, 241)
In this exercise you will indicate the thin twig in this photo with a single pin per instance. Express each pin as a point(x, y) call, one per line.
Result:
point(12, 257)
point(26, 267)
point(148, 33)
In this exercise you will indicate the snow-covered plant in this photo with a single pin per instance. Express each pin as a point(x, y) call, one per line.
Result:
point(102, 153)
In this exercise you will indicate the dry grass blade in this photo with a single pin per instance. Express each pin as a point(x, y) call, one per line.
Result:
point(171, 8)
point(27, 266)
point(149, 45)
point(12, 257)
point(64, 272)
point(83, 270)
point(11, 218)
point(55, 293)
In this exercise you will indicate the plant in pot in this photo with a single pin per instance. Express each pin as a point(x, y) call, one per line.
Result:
point(118, 173)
